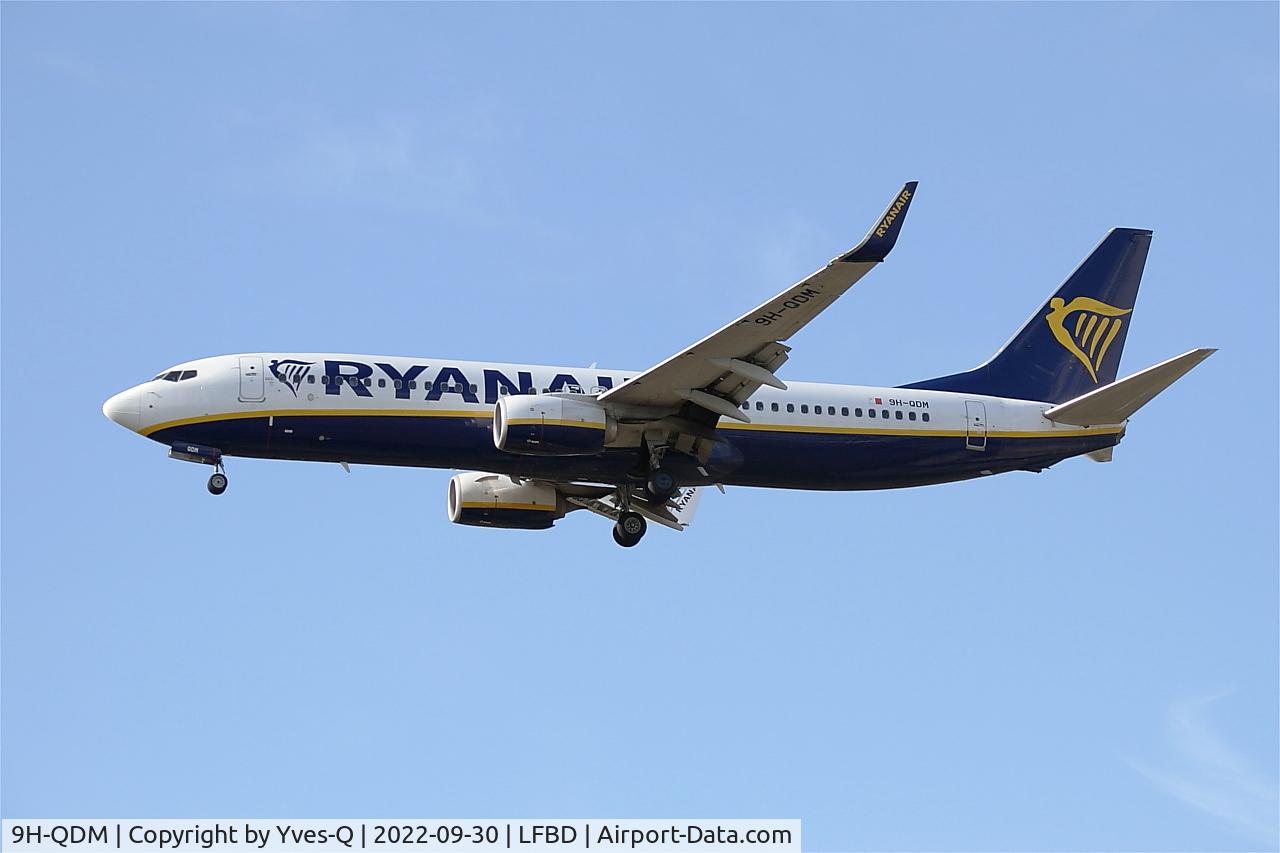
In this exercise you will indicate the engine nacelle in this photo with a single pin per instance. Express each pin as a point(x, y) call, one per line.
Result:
point(546, 425)
point(495, 500)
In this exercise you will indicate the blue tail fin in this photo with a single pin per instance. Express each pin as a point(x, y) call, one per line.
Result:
point(1072, 345)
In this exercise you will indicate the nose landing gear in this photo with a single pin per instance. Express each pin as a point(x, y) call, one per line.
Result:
point(203, 455)
point(217, 482)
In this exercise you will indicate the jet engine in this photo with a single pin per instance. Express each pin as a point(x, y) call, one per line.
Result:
point(495, 500)
point(547, 425)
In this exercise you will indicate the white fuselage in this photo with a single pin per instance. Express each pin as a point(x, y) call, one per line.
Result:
point(339, 407)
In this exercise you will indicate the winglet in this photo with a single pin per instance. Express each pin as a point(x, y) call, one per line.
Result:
point(878, 243)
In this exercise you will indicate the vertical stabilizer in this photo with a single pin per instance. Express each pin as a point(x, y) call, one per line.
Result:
point(1072, 344)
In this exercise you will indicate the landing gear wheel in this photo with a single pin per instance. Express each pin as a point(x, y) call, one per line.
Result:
point(630, 529)
point(660, 484)
point(217, 483)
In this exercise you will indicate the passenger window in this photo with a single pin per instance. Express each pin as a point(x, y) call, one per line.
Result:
point(804, 408)
point(831, 410)
point(746, 405)
point(791, 407)
point(884, 413)
point(367, 382)
point(844, 411)
point(473, 389)
point(911, 416)
point(311, 380)
point(398, 384)
point(924, 417)
point(871, 413)
point(413, 383)
point(857, 413)
point(774, 407)
point(759, 407)
point(898, 414)
point(382, 383)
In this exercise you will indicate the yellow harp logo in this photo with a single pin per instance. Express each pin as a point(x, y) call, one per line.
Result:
point(1089, 333)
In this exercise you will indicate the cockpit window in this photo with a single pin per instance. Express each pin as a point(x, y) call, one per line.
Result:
point(175, 375)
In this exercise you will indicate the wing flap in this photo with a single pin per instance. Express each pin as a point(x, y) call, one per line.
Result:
point(677, 513)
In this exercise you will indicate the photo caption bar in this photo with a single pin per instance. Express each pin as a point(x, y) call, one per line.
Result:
point(712, 835)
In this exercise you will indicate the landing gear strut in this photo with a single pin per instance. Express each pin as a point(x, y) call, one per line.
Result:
point(630, 529)
point(217, 482)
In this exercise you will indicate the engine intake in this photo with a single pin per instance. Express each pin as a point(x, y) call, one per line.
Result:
point(495, 500)
point(547, 425)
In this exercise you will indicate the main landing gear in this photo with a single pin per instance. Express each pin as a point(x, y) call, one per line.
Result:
point(630, 529)
point(217, 482)
point(660, 484)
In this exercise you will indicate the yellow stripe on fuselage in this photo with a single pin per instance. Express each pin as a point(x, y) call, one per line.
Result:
point(931, 433)
point(1056, 432)
point(312, 413)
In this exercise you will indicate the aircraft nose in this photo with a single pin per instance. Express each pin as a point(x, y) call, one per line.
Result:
point(125, 409)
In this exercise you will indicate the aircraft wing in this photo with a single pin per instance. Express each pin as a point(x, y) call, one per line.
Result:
point(720, 371)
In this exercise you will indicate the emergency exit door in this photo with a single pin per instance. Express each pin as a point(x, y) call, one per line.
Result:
point(975, 433)
point(252, 387)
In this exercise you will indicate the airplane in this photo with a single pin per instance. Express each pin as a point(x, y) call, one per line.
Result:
point(638, 447)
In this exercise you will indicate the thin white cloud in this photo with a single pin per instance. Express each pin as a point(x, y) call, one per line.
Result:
point(439, 163)
point(1211, 775)
point(788, 249)
point(72, 66)
point(389, 163)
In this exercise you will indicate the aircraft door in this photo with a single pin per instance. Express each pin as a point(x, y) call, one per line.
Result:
point(975, 430)
point(252, 387)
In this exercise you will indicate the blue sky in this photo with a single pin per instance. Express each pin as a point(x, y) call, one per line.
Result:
point(1082, 659)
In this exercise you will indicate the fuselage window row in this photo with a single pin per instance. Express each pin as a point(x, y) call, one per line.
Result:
point(844, 411)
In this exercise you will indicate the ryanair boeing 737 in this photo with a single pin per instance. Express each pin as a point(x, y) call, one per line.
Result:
point(636, 446)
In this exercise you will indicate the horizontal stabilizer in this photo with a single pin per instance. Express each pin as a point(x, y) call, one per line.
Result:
point(1114, 403)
